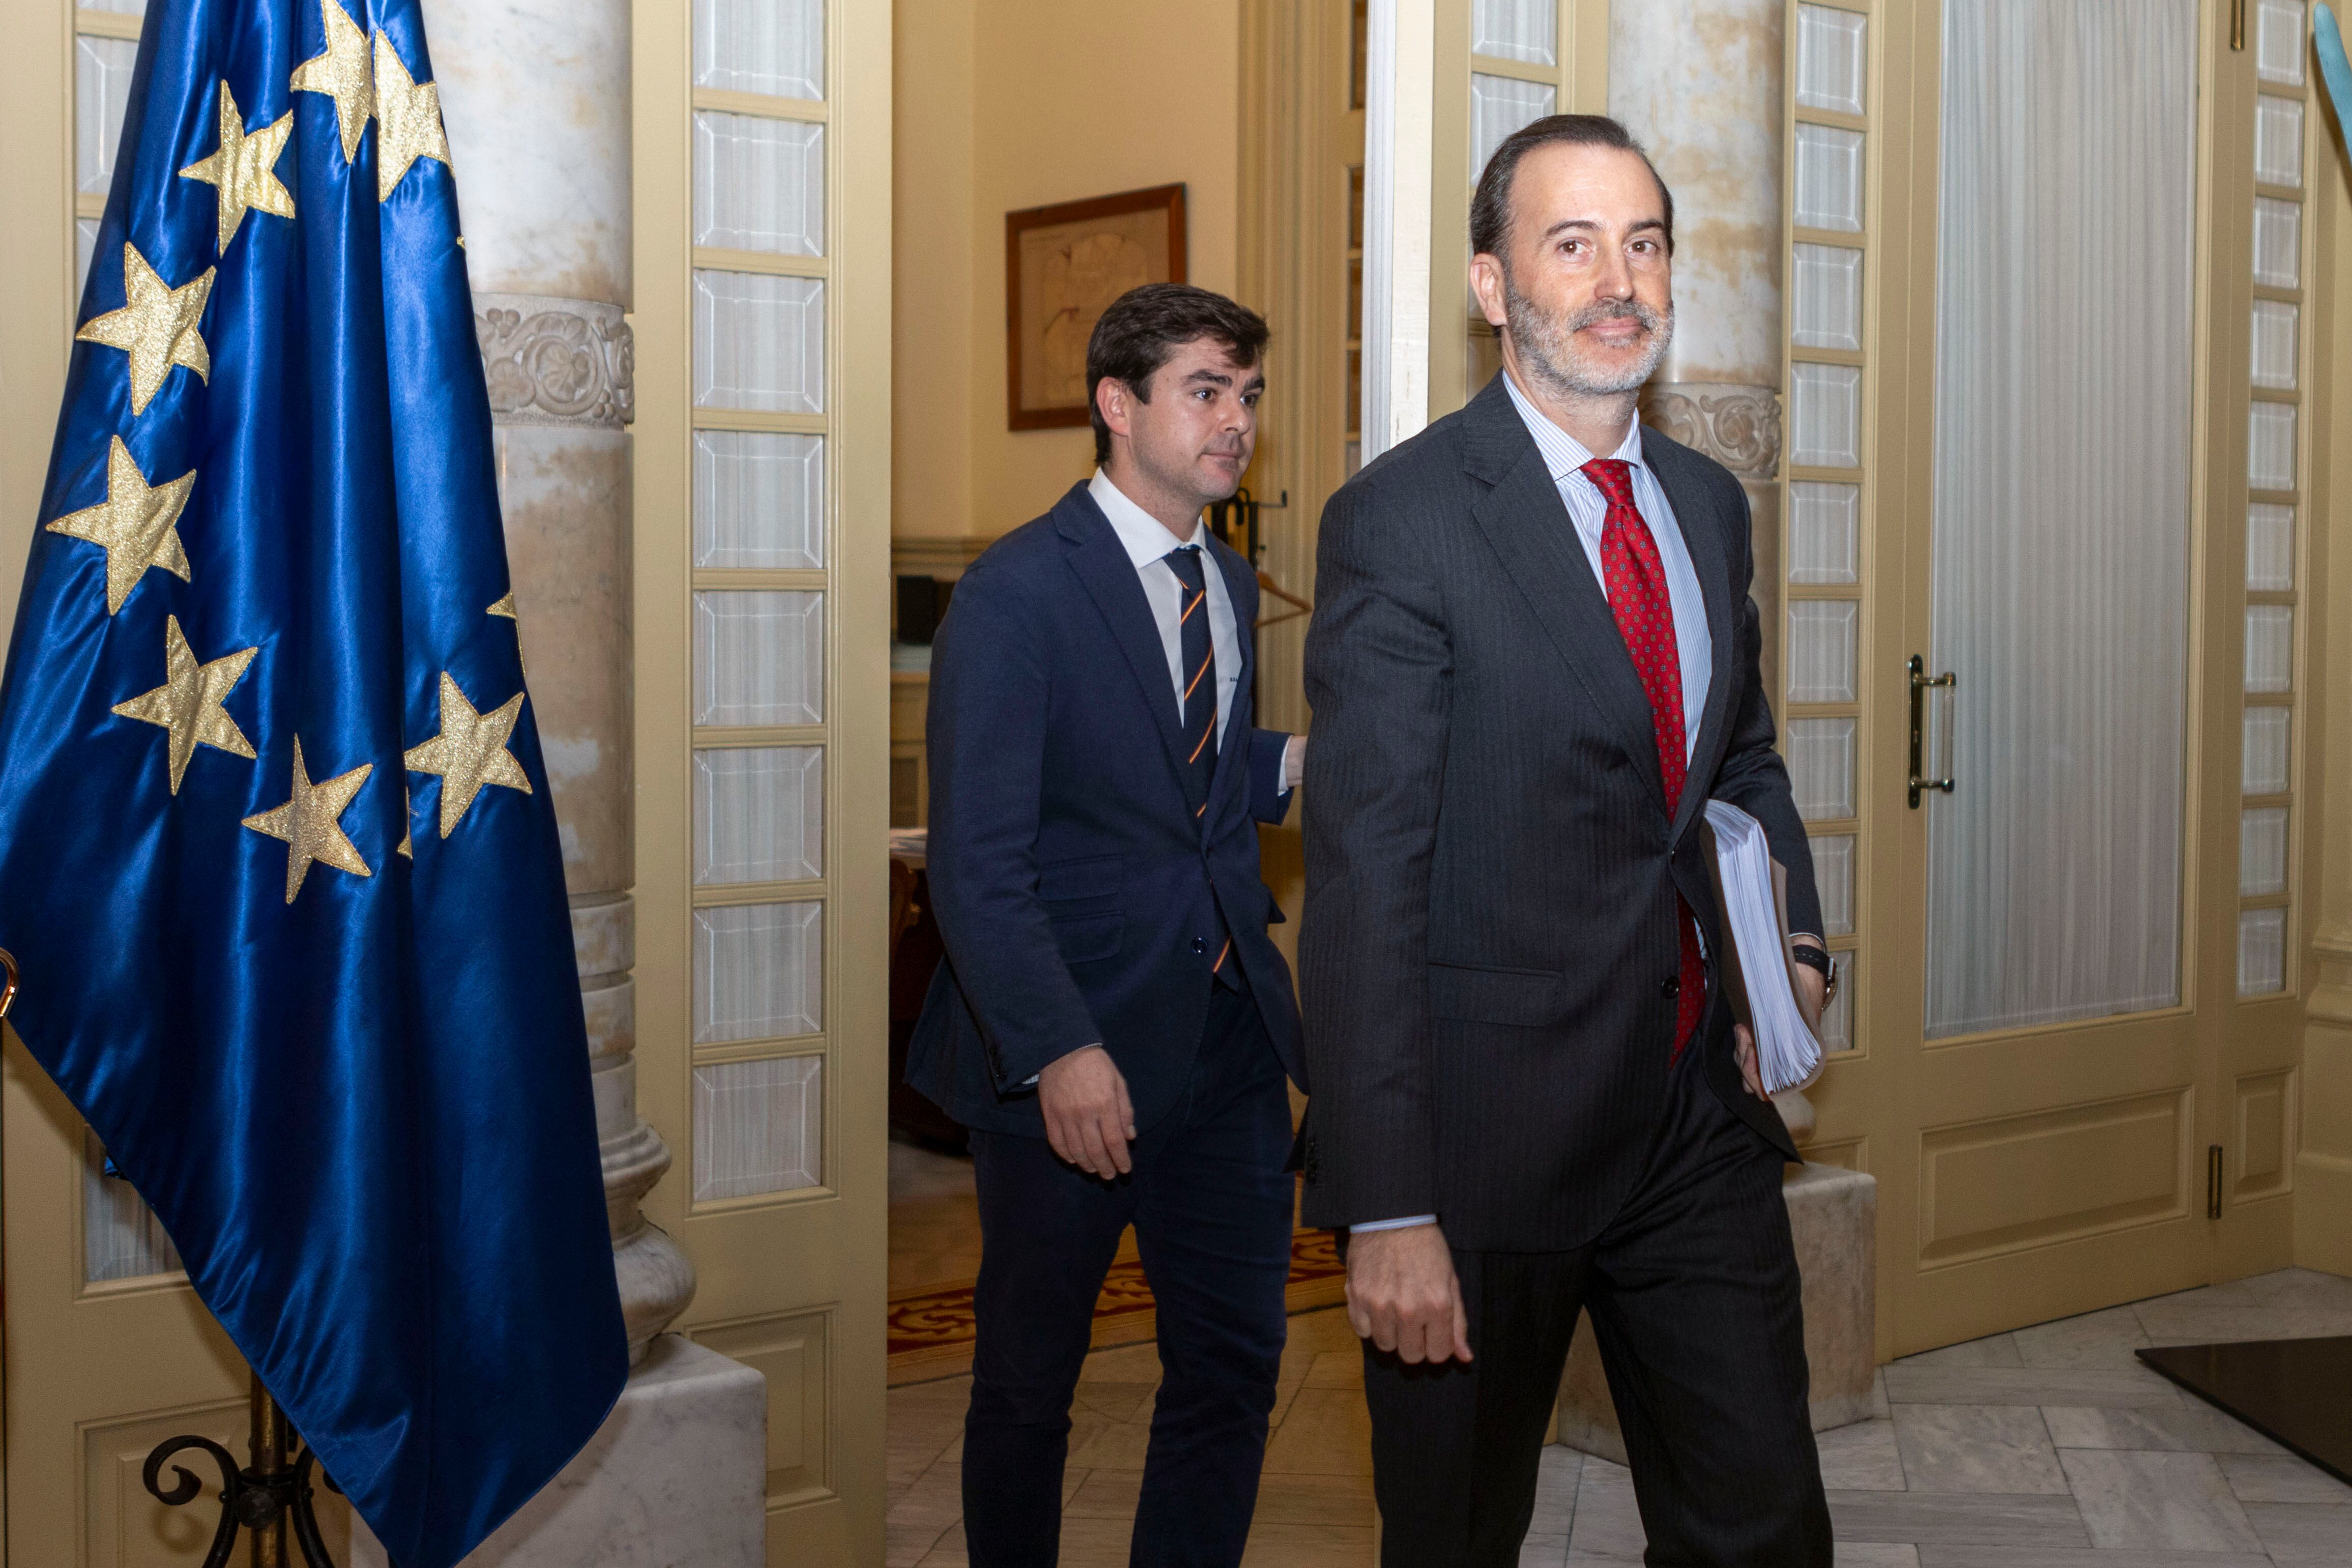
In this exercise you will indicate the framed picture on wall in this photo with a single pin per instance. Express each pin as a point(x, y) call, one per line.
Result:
point(1062, 265)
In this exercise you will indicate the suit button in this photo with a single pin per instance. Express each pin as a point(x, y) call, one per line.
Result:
point(1671, 986)
point(1200, 945)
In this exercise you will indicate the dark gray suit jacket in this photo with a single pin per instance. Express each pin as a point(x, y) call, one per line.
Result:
point(1487, 957)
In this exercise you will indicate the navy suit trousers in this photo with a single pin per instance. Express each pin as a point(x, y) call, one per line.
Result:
point(1212, 1204)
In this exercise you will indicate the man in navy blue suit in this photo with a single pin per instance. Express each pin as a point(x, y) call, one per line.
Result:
point(1112, 1022)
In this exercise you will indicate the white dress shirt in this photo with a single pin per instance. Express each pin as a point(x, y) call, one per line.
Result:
point(1148, 543)
point(1564, 456)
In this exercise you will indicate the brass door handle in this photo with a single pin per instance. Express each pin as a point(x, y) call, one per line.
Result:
point(1920, 681)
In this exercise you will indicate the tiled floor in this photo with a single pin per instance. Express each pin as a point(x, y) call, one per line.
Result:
point(2049, 1447)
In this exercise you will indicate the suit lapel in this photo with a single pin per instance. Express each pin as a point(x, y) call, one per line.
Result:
point(1707, 536)
point(1103, 566)
point(1528, 526)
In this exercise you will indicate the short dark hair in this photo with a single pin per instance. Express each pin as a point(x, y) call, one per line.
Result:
point(1490, 209)
point(1143, 329)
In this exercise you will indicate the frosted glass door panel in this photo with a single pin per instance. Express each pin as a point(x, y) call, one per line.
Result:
point(2275, 326)
point(1819, 755)
point(759, 971)
point(1516, 30)
point(1833, 876)
point(1498, 106)
point(101, 89)
point(1830, 63)
point(2278, 40)
point(2278, 139)
point(758, 814)
point(759, 499)
point(1829, 297)
point(122, 1237)
point(759, 1126)
point(759, 658)
point(2261, 851)
point(1829, 178)
point(759, 343)
point(2262, 766)
point(1825, 530)
point(774, 47)
point(1827, 415)
point(2270, 446)
point(2270, 648)
point(2278, 243)
point(2269, 547)
point(2262, 952)
point(2060, 565)
point(759, 185)
point(1820, 650)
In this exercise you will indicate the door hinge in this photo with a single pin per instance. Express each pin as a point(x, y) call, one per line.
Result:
point(2213, 1182)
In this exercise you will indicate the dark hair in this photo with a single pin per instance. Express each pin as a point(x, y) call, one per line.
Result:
point(1143, 329)
point(1490, 209)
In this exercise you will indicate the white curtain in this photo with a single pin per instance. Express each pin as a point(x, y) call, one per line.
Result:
point(2061, 553)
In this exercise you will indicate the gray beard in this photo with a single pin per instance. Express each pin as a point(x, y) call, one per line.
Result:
point(1546, 344)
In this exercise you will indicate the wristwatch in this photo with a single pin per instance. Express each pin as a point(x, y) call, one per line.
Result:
point(1813, 957)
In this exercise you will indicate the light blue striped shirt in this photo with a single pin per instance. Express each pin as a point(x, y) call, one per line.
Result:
point(1564, 455)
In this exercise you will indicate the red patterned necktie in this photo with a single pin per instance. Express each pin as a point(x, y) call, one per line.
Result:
point(1636, 579)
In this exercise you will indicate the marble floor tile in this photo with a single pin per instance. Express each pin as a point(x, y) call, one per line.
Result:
point(1543, 1550)
point(1328, 1432)
point(1996, 1350)
point(1325, 1329)
point(1861, 1458)
point(1976, 1449)
point(1118, 1401)
point(1556, 1479)
point(1608, 1521)
point(1307, 1546)
point(2165, 1501)
point(2103, 1339)
point(1285, 1389)
point(1982, 1519)
point(2066, 1557)
point(1340, 1501)
point(948, 1553)
point(2280, 1287)
point(935, 1501)
point(2113, 1389)
point(1880, 1406)
point(2281, 1478)
point(1128, 1364)
point(2192, 1427)
point(1098, 1443)
point(1103, 1494)
point(2299, 1533)
point(1875, 1554)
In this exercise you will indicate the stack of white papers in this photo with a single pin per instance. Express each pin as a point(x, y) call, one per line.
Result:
point(1786, 1050)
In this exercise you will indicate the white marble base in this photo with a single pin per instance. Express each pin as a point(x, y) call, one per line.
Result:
point(677, 1474)
point(1833, 1219)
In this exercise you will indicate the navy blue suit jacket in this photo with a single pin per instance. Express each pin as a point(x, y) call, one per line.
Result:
point(1077, 893)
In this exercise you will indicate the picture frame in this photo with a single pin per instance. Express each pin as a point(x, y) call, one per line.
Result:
point(1064, 265)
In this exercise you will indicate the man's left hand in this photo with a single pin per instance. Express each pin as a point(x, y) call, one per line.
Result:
point(1813, 994)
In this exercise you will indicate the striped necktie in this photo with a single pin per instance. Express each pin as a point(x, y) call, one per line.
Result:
point(1636, 580)
point(1199, 661)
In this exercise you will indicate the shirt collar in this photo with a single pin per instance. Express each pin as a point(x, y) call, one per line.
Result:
point(1563, 454)
point(1142, 534)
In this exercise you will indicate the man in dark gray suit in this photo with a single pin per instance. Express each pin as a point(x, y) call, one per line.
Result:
point(1530, 667)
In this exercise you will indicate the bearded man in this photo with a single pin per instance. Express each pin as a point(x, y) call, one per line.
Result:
point(1530, 667)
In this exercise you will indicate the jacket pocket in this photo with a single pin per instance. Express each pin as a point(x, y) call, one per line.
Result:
point(1087, 938)
point(1525, 998)
point(1094, 875)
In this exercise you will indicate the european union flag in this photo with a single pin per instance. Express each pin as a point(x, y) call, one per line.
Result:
point(276, 852)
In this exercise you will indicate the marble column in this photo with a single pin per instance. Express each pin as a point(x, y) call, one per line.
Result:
point(535, 94)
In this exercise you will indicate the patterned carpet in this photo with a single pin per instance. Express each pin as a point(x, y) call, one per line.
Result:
point(931, 1327)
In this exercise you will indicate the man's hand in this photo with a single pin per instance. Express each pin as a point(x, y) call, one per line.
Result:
point(1402, 1295)
point(1088, 1120)
point(1813, 994)
point(1743, 1046)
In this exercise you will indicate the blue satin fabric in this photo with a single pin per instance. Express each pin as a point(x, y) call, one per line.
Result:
point(363, 1117)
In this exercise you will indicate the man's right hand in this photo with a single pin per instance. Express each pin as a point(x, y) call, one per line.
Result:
point(1088, 1120)
point(1404, 1297)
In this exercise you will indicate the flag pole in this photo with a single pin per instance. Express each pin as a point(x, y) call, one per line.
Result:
point(265, 1496)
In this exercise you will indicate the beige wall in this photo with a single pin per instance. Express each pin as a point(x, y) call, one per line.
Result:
point(1004, 104)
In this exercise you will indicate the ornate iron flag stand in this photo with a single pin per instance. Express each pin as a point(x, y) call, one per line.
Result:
point(262, 1498)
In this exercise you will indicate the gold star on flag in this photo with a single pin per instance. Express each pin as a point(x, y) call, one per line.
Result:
point(504, 607)
point(188, 703)
point(469, 752)
point(241, 168)
point(136, 525)
point(407, 117)
point(341, 73)
point(156, 327)
point(407, 845)
point(309, 825)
